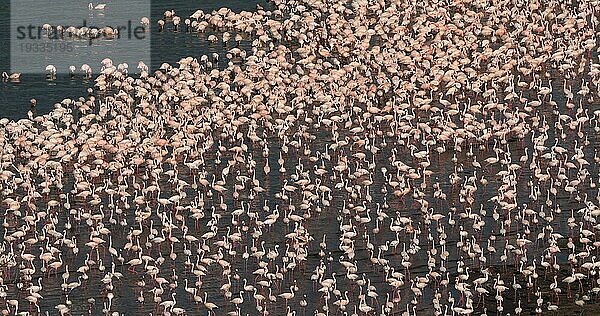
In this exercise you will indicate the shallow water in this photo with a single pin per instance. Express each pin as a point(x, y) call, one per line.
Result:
point(172, 46)
point(321, 223)
point(167, 46)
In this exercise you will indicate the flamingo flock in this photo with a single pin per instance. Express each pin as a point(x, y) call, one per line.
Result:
point(364, 158)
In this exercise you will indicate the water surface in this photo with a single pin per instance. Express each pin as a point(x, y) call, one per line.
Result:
point(168, 46)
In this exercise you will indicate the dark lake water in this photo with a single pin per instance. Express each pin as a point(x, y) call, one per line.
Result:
point(167, 46)
point(322, 222)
